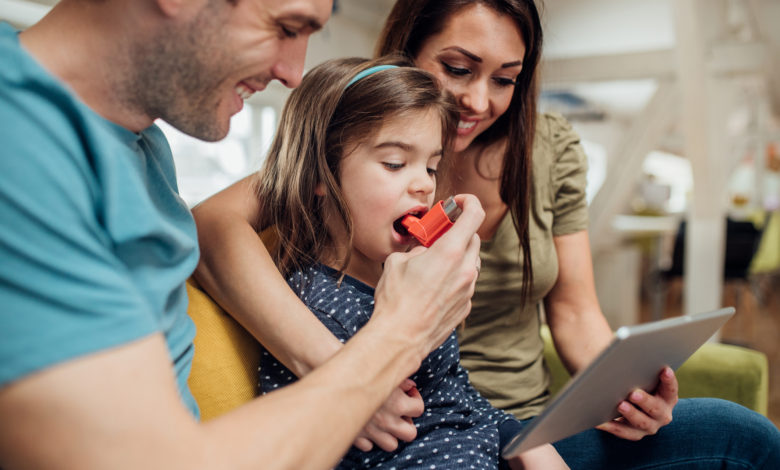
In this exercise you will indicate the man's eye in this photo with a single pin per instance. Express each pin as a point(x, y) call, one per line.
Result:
point(458, 71)
point(289, 33)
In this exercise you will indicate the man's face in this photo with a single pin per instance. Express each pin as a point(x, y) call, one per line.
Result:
point(197, 74)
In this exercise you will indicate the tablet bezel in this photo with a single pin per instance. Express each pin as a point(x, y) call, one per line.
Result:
point(634, 358)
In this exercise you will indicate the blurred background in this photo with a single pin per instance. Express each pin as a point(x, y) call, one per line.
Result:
point(677, 103)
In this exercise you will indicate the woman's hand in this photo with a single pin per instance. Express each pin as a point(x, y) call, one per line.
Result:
point(544, 457)
point(644, 414)
point(393, 421)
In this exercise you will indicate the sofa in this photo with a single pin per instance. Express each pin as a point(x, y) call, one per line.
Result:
point(224, 368)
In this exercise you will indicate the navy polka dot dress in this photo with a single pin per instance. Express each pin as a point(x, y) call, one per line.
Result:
point(459, 429)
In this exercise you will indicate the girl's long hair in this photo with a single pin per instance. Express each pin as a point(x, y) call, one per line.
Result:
point(323, 119)
point(412, 22)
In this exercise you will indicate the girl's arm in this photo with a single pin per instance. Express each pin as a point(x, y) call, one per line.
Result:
point(237, 271)
point(580, 332)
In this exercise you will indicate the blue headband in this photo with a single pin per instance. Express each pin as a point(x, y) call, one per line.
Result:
point(367, 72)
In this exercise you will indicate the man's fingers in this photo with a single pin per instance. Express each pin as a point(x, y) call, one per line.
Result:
point(467, 224)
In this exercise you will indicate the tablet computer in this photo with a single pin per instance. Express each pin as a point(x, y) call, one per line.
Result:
point(633, 359)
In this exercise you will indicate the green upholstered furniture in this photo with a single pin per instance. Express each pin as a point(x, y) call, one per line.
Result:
point(224, 369)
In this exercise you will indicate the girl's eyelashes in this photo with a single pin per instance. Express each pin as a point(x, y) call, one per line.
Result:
point(433, 171)
point(393, 166)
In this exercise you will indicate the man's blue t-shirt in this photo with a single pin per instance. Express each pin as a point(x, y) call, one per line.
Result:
point(95, 243)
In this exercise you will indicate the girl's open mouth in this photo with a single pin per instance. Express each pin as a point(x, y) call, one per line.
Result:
point(398, 225)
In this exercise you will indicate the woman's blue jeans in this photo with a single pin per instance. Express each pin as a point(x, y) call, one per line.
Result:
point(705, 433)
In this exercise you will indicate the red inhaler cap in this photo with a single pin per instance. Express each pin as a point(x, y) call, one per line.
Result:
point(432, 225)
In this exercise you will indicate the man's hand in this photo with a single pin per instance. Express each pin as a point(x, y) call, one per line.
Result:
point(644, 414)
point(425, 293)
point(394, 420)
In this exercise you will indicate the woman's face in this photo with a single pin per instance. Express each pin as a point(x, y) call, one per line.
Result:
point(477, 57)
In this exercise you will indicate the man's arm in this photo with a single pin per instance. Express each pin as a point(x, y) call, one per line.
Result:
point(120, 408)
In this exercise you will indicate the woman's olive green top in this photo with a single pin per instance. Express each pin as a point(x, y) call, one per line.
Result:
point(500, 345)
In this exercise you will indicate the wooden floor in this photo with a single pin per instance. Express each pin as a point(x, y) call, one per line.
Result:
point(755, 325)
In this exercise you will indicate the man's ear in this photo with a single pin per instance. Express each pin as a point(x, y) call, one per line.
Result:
point(319, 190)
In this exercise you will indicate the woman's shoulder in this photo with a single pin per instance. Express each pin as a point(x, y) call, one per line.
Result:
point(552, 126)
point(555, 141)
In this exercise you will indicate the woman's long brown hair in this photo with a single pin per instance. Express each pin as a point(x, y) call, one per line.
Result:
point(412, 22)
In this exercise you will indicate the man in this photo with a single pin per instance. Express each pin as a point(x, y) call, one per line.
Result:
point(95, 245)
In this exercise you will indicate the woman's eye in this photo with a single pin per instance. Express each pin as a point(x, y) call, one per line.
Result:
point(503, 82)
point(393, 166)
point(458, 71)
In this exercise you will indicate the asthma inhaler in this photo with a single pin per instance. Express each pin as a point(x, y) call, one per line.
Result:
point(434, 223)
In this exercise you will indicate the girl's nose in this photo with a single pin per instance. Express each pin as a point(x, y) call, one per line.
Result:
point(422, 182)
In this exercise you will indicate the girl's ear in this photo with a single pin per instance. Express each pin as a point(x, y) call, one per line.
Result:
point(319, 190)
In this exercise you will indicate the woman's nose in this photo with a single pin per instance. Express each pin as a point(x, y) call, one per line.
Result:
point(474, 97)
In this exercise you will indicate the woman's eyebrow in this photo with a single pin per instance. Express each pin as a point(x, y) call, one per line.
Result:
point(477, 58)
point(468, 54)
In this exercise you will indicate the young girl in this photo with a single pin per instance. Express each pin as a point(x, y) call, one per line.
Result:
point(358, 148)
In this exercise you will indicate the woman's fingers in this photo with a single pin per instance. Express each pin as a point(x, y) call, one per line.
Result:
point(392, 422)
point(643, 414)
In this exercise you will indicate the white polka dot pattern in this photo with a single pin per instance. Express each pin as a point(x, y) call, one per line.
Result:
point(458, 429)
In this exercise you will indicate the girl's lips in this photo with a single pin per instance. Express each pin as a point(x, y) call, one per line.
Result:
point(400, 234)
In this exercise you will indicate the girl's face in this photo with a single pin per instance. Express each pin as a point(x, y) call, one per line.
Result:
point(383, 179)
point(477, 57)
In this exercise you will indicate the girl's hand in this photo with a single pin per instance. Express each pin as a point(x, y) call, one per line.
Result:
point(644, 414)
point(393, 421)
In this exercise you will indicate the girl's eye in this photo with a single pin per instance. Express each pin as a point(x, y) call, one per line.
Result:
point(457, 71)
point(433, 171)
point(393, 166)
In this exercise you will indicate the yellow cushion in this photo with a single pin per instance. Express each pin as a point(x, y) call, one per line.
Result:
point(224, 369)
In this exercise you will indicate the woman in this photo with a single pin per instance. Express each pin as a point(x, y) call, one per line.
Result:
point(485, 52)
